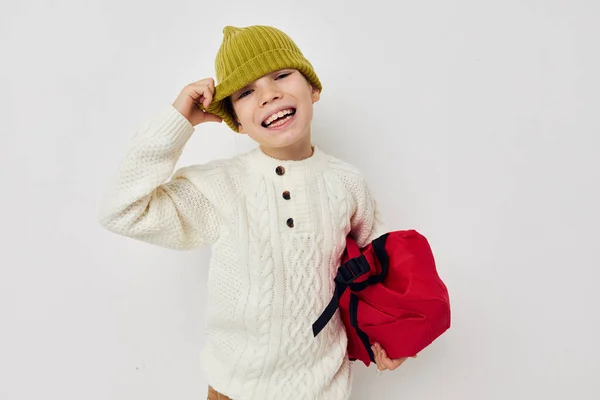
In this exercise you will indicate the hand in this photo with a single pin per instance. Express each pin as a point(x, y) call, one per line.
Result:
point(383, 361)
point(187, 103)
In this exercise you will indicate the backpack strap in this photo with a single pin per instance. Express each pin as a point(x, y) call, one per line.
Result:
point(346, 274)
point(384, 261)
point(364, 338)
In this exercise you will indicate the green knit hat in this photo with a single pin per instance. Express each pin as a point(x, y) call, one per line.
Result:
point(247, 54)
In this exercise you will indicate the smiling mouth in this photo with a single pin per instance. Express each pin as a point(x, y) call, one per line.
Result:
point(279, 120)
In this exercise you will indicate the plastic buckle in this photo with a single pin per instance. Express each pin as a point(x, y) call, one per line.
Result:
point(353, 269)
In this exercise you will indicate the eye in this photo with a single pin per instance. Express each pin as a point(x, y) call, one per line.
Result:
point(283, 75)
point(244, 94)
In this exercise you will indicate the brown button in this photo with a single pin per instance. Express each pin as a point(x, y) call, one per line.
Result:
point(290, 222)
point(280, 170)
point(286, 195)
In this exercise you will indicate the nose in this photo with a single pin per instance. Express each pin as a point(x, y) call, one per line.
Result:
point(270, 92)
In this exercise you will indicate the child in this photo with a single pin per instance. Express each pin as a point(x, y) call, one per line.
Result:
point(277, 218)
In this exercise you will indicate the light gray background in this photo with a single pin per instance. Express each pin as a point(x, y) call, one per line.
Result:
point(475, 122)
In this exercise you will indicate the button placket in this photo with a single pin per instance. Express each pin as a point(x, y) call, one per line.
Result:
point(280, 170)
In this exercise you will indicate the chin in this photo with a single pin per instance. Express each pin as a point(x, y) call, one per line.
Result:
point(278, 139)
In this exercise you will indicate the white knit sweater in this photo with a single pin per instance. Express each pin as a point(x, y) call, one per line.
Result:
point(268, 281)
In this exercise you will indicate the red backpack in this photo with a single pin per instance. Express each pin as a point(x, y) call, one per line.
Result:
point(389, 292)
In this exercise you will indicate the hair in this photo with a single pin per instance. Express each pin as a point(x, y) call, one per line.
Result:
point(229, 106)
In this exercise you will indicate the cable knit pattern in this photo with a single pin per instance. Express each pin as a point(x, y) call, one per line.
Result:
point(267, 281)
point(303, 261)
point(258, 312)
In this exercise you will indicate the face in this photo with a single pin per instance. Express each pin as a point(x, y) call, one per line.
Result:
point(276, 110)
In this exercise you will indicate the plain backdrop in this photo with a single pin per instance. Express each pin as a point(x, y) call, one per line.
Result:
point(474, 122)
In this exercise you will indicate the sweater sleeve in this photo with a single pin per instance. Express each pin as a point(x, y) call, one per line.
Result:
point(143, 203)
point(366, 222)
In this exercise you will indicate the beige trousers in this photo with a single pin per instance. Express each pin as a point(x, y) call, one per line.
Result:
point(214, 395)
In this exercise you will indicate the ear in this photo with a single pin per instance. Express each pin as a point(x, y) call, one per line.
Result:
point(315, 95)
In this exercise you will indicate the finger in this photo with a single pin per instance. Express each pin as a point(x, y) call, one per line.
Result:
point(196, 92)
point(200, 91)
point(374, 350)
point(382, 364)
point(208, 91)
point(376, 356)
point(383, 353)
point(207, 97)
point(380, 357)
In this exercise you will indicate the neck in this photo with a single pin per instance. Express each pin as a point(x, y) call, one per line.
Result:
point(296, 152)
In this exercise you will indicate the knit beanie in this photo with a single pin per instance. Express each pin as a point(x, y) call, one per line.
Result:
point(247, 54)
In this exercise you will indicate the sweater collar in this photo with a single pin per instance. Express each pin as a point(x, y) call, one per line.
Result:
point(270, 166)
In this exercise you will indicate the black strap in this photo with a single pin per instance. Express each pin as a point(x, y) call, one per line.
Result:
point(382, 256)
point(384, 260)
point(364, 338)
point(347, 274)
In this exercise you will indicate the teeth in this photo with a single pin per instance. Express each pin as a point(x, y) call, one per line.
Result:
point(277, 115)
point(280, 122)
